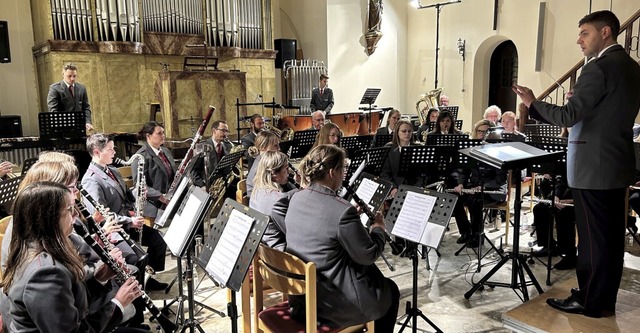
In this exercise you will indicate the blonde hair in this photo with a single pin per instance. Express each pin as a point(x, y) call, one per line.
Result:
point(270, 164)
point(63, 172)
point(485, 122)
point(316, 165)
point(54, 156)
point(322, 138)
point(264, 140)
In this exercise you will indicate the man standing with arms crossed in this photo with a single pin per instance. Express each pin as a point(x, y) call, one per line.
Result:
point(600, 160)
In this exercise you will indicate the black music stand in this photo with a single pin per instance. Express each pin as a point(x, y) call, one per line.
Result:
point(457, 124)
point(453, 109)
point(547, 139)
point(555, 168)
point(428, 232)
point(193, 210)
point(58, 126)
point(429, 160)
point(174, 203)
point(373, 192)
point(8, 192)
point(374, 158)
point(223, 167)
point(542, 130)
point(445, 139)
point(225, 257)
point(513, 156)
point(353, 143)
point(302, 143)
point(380, 140)
point(369, 97)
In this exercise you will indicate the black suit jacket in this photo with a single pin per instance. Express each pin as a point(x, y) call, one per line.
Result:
point(198, 172)
point(59, 99)
point(322, 103)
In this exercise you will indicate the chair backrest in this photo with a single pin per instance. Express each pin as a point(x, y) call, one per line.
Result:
point(241, 193)
point(288, 274)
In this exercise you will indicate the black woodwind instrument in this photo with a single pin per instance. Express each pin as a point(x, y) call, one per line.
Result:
point(188, 156)
point(121, 274)
point(472, 191)
point(395, 247)
point(139, 251)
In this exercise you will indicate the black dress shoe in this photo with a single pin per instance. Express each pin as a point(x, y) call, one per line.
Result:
point(566, 263)
point(569, 304)
point(545, 252)
point(463, 239)
point(153, 284)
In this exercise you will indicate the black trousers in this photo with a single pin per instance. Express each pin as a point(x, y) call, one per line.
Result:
point(543, 217)
point(387, 322)
point(475, 203)
point(156, 246)
point(600, 218)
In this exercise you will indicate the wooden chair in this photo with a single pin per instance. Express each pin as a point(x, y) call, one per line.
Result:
point(290, 275)
point(127, 175)
point(504, 206)
point(241, 193)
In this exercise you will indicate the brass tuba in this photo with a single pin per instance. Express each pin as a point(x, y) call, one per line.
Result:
point(284, 135)
point(431, 99)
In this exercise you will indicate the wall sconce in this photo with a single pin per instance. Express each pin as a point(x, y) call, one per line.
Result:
point(461, 47)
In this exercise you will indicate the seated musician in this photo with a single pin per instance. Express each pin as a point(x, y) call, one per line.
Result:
point(249, 140)
point(432, 117)
point(444, 125)
point(508, 121)
point(394, 117)
point(391, 167)
point(44, 287)
point(5, 168)
point(472, 178)
point(271, 185)
point(323, 228)
point(205, 165)
point(266, 141)
point(329, 134)
point(317, 120)
point(565, 221)
point(159, 167)
point(105, 184)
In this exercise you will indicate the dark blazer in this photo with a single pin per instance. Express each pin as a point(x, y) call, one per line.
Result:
point(247, 141)
point(322, 103)
point(198, 172)
point(108, 192)
point(391, 170)
point(45, 297)
point(323, 228)
point(601, 114)
point(59, 99)
point(156, 176)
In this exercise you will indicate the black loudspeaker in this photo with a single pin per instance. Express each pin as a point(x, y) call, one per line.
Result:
point(5, 53)
point(11, 126)
point(286, 51)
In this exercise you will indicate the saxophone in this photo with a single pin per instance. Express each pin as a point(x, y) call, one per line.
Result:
point(140, 188)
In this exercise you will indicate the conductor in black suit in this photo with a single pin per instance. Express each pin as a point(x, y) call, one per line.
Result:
point(600, 159)
point(68, 95)
point(322, 96)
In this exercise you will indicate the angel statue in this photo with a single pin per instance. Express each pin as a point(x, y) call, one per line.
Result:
point(373, 33)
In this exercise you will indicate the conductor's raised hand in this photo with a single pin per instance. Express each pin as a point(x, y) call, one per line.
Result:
point(525, 94)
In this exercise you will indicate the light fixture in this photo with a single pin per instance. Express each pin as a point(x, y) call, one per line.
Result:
point(461, 47)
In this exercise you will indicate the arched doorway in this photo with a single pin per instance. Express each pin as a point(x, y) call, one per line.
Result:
point(503, 73)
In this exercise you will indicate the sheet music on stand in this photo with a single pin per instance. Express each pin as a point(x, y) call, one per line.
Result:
point(232, 243)
point(302, 143)
point(380, 140)
point(59, 125)
point(168, 214)
point(374, 158)
point(453, 109)
point(420, 215)
point(192, 211)
point(370, 96)
point(372, 190)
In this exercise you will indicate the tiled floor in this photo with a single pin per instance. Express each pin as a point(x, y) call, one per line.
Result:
point(440, 290)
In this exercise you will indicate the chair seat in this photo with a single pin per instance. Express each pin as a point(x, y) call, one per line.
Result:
point(278, 319)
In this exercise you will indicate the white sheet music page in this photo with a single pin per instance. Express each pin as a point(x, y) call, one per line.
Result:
point(224, 256)
point(182, 223)
point(366, 191)
point(413, 217)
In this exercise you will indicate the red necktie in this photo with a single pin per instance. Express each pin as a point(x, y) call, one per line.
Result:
point(165, 161)
point(321, 92)
point(219, 151)
point(111, 175)
point(71, 91)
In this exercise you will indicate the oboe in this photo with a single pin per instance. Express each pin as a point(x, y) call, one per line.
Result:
point(397, 248)
point(139, 251)
point(121, 274)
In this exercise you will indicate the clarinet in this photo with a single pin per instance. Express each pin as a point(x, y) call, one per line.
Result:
point(188, 156)
point(139, 251)
point(295, 173)
point(121, 274)
point(397, 248)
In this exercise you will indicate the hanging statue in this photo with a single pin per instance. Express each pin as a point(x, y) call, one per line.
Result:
point(374, 21)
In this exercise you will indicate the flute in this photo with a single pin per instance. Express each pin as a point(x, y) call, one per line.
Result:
point(472, 191)
point(122, 275)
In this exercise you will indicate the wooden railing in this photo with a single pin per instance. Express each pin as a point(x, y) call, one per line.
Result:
point(631, 29)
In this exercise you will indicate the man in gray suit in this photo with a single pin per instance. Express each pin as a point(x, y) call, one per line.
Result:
point(221, 146)
point(322, 96)
point(68, 95)
point(600, 160)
